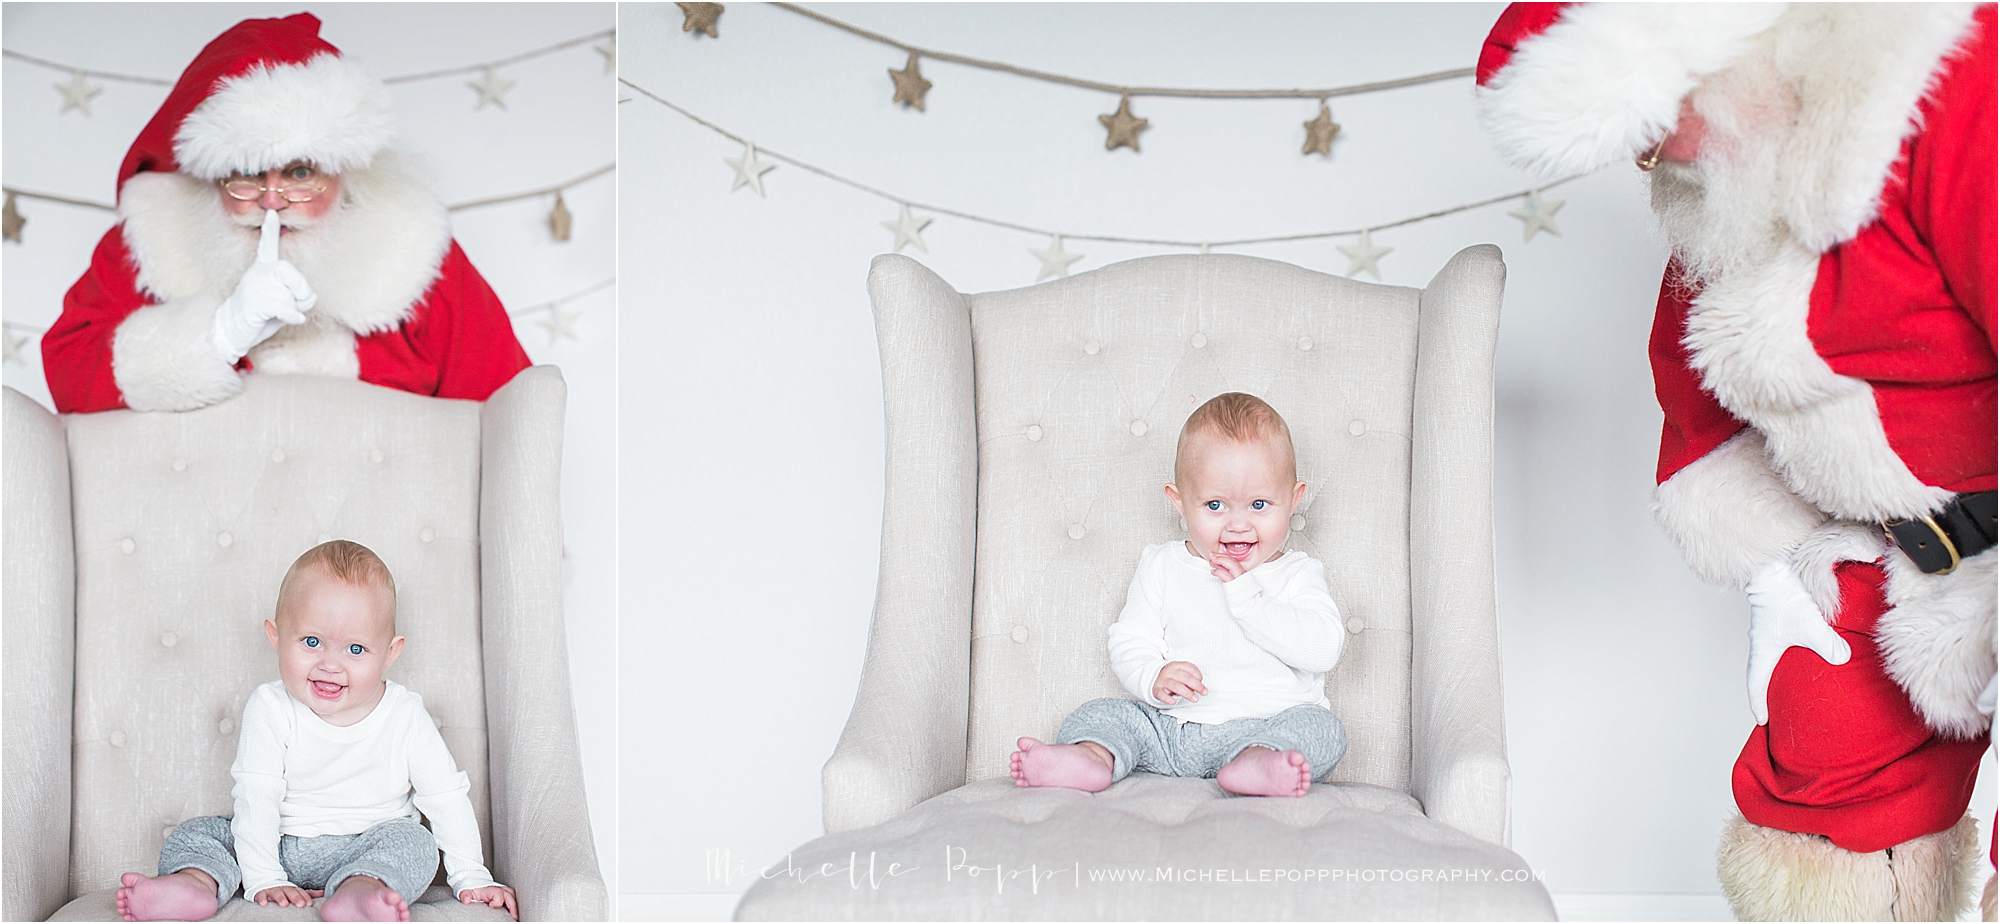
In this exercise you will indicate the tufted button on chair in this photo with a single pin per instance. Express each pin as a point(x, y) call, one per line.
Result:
point(143, 552)
point(1020, 492)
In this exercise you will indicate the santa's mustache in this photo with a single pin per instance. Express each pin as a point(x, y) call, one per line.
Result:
point(287, 219)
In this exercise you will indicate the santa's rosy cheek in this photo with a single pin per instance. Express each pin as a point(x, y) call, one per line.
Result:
point(1690, 129)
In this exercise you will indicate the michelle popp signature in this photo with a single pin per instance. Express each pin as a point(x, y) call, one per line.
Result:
point(871, 871)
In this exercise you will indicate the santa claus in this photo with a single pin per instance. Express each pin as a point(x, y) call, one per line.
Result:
point(1823, 351)
point(264, 224)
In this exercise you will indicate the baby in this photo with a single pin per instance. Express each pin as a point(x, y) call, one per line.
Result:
point(333, 765)
point(1229, 606)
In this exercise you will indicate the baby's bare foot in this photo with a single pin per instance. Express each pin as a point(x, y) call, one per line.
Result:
point(1071, 766)
point(188, 895)
point(1261, 771)
point(364, 898)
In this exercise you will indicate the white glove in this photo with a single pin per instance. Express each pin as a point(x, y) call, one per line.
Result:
point(1783, 615)
point(271, 294)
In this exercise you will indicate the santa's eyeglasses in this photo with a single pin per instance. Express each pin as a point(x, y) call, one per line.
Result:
point(298, 182)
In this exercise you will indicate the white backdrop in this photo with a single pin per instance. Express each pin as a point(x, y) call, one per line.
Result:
point(558, 124)
point(752, 448)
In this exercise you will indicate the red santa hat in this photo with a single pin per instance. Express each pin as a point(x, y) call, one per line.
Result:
point(1569, 87)
point(263, 94)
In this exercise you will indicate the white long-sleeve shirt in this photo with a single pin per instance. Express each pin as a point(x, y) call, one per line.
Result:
point(298, 774)
point(1263, 642)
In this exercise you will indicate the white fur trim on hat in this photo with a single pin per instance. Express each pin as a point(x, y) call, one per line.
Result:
point(326, 111)
point(1604, 83)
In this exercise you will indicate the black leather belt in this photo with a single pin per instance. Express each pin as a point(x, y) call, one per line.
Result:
point(1937, 543)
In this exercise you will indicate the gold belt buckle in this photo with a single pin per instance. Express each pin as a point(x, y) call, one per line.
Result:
point(1927, 520)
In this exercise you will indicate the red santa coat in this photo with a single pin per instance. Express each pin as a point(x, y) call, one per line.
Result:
point(1907, 305)
point(398, 305)
point(1901, 316)
point(1825, 362)
point(453, 341)
point(1851, 377)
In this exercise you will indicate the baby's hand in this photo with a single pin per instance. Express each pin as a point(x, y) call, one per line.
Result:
point(1179, 681)
point(493, 896)
point(285, 896)
point(1225, 569)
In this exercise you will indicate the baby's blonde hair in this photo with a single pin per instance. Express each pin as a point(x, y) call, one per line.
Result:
point(345, 560)
point(1237, 417)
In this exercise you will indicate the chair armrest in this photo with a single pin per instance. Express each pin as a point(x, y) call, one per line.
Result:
point(1458, 734)
point(39, 660)
point(541, 823)
point(905, 737)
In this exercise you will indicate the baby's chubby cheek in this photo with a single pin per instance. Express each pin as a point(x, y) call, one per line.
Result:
point(1272, 545)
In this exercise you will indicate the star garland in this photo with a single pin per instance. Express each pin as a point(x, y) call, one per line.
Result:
point(1363, 254)
point(12, 219)
point(700, 18)
point(78, 91)
point(492, 90)
point(749, 170)
point(77, 94)
point(14, 338)
point(1121, 127)
point(908, 230)
point(559, 218)
point(1537, 215)
point(910, 85)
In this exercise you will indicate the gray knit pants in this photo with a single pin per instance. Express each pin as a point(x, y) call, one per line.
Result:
point(400, 853)
point(1140, 737)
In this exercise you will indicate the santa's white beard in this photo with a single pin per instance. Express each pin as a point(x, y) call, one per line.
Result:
point(1723, 212)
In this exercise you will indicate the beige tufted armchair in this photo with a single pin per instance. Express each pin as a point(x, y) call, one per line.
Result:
point(1029, 432)
point(143, 552)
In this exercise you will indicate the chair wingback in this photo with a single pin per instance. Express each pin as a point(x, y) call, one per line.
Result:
point(38, 643)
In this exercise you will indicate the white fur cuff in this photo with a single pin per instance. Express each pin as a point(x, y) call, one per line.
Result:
point(164, 360)
point(1938, 641)
point(1730, 513)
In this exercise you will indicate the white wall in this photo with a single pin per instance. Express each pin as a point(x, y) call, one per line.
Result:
point(752, 416)
point(558, 124)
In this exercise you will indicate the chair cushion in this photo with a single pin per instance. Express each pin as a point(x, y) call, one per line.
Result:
point(1342, 851)
point(1081, 386)
point(435, 905)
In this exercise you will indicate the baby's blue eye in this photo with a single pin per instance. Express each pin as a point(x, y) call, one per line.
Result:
point(1259, 504)
point(1213, 505)
point(356, 650)
point(312, 641)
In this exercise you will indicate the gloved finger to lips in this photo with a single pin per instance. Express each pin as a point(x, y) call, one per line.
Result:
point(267, 238)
